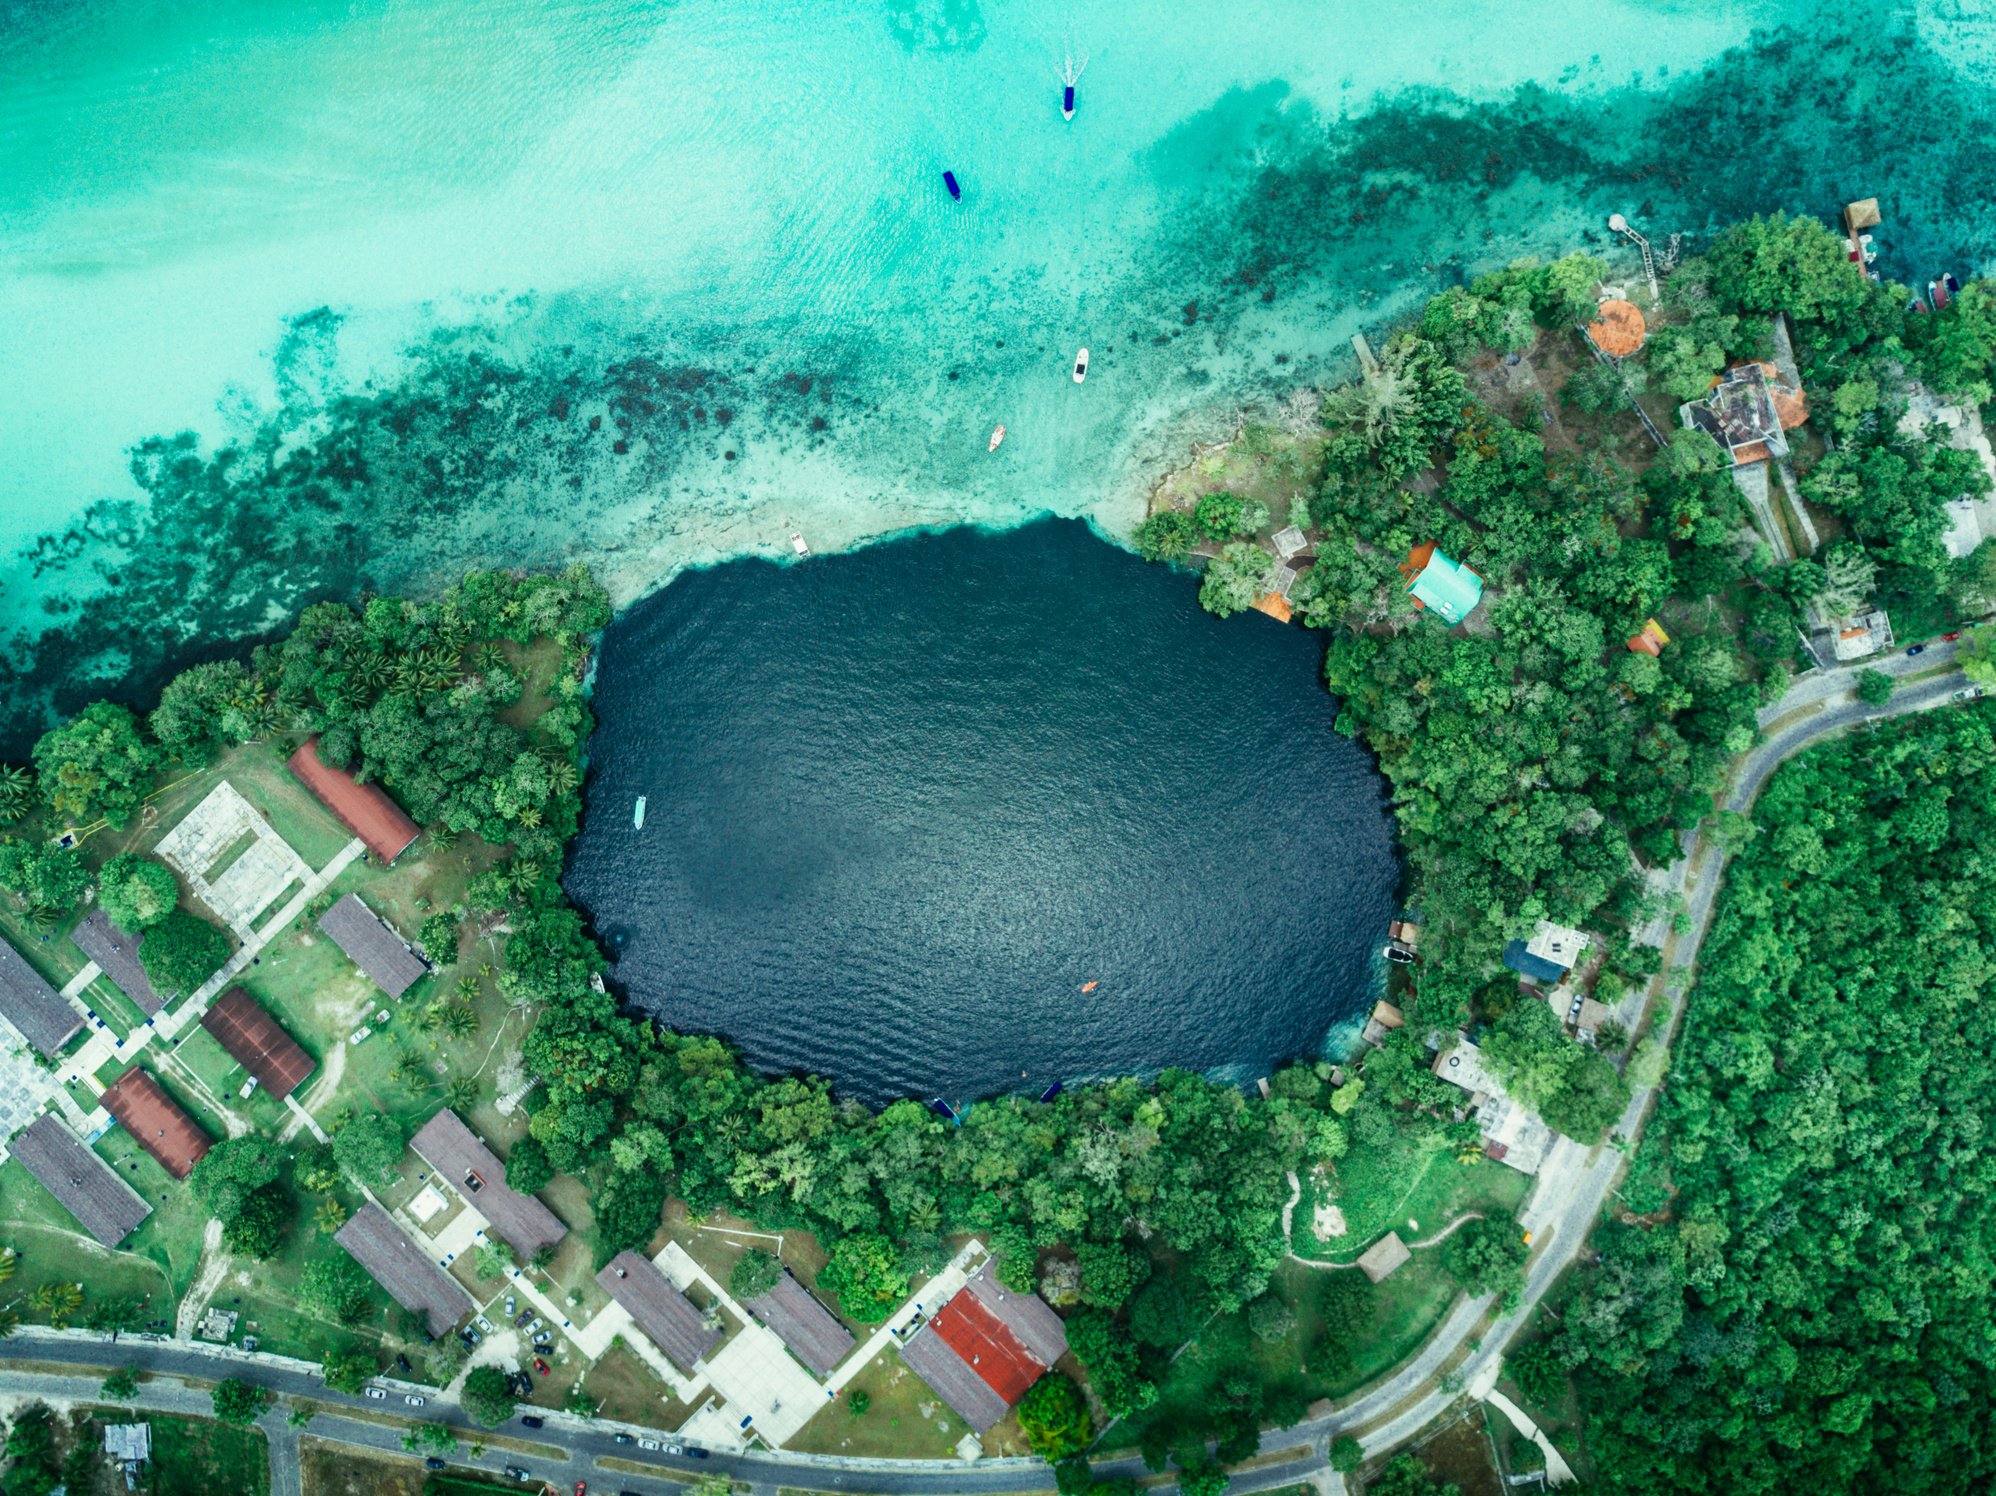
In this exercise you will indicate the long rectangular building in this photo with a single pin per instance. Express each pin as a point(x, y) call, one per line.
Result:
point(157, 1122)
point(413, 1279)
point(462, 1161)
point(117, 956)
point(85, 1186)
point(806, 1326)
point(372, 946)
point(257, 1042)
point(33, 1006)
point(364, 809)
point(667, 1317)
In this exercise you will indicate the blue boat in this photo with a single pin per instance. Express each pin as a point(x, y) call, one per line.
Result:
point(1050, 1092)
point(949, 181)
point(1067, 102)
point(943, 1109)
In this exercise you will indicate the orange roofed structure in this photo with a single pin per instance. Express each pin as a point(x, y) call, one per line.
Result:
point(1618, 328)
point(364, 809)
point(1651, 640)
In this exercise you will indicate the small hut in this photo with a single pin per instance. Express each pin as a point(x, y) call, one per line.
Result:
point(1618, 328)
point(1384, 1257)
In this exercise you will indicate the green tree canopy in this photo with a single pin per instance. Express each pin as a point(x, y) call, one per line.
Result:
point(136, 891)
point(181, 951)
point(96, 764)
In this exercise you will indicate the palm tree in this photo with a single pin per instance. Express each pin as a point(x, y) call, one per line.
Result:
point(467, 989)
point(330, 1216)
point(408, 1071)
point(460, 1020)
point(9, 1323)
point(59, 1301)
point(9, 1261)
point(561, 773)
point(17, 791)
point(461, 1093)
point(431, 1018)
point(373, 668)
point(926, 1216)
point(44, 918)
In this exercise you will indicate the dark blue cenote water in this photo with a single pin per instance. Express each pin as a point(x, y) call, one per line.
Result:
point(904, 803)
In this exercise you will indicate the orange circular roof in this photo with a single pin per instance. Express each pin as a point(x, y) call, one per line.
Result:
point(1618, 328)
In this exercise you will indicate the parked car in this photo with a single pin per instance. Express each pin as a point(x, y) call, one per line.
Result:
point(412, 1400)
point(402, 1364)
point(1950, 638)
point(1968, 693)
point(520, 1319)
point(582, 1488)
point(536, 1323)
point(695, 1452)
point(485, 1324)
point(1917, 649)
point(511, 1305)
point(647, 1443)
point(540, 1366)
point(517, 1472)
point(434, 1462)
point(534, 1420)
point(675, 1449)
point(623, 1439)
point(376, 1393)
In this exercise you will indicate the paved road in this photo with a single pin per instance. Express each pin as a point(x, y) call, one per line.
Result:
point(1571, 1195)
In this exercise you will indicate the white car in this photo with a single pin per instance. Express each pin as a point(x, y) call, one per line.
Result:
point(414, 1401)
point(647, 1443)
point(376, 1393)
point(485, 1324)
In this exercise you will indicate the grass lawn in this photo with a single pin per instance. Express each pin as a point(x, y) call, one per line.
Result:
point(904, 1419)
point(335, 1470)
point(1383, 1189)
point(199, 1457)
point(628, 1390)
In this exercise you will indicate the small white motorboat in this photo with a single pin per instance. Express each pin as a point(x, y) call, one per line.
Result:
point(997, 436)
point(638, 815)
point(797, 544)
point(1081, 366)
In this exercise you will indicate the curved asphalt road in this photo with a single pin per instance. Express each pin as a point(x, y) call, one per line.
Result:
point(1573, 1191)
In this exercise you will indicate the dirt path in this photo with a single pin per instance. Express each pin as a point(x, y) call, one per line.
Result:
point(214, 1263)
point(1413, 1246)
point(327, 1086)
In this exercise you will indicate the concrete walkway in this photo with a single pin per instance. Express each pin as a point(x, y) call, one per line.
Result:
point(1558, 1472)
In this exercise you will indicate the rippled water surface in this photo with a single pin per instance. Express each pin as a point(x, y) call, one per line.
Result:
point(429, 283)
point(903, 805)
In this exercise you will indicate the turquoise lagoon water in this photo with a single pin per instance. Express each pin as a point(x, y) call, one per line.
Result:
point(431, 283)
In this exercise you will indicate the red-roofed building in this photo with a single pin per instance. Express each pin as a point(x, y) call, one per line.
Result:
point(364, 809)
point(985, 1347)
point(992, 1351)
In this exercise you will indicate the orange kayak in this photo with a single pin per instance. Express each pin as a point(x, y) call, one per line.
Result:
point(997, 436)
point(1090, 986)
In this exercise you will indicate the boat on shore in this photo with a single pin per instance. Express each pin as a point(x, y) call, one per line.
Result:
point(638, 815)
point(797, 544)
point(1081, 366)
point(997, 436)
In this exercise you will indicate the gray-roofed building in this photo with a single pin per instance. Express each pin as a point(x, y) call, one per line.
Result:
point(87, 1187)
point(807, 1327)
point(128, 1443)
point(1026, 1315)
point(117, 956)
point(1384, 1257)
point(951, 1378)
point(668, 1318)
point(372, 945)
point(33, 1006)
point(462, 1161)
point(413, 1279)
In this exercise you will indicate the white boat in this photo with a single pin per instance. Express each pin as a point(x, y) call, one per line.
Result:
point(1081, 366)
point(997, 436)
point(638, 815)
point(797, 544)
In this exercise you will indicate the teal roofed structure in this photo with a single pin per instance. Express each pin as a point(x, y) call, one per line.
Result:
point(1442, 584)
